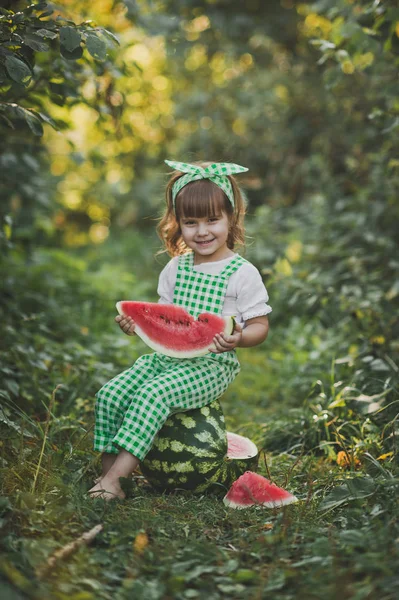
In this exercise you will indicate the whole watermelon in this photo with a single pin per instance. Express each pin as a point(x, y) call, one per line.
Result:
point(190, 453)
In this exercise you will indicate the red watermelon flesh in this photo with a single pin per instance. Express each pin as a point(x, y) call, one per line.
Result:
point(252, 489)
point(171, 330)
point(240, 447)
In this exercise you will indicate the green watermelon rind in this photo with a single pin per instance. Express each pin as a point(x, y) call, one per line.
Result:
point(173, 353)
point(173, 464)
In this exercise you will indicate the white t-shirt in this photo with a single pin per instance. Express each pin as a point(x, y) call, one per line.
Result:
point(246, 295)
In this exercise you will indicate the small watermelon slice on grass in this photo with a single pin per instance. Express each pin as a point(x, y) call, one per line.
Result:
point(252, 489)
point(239, 446)
point(172, 331)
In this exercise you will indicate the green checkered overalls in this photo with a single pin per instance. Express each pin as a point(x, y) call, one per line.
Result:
point(132, 407)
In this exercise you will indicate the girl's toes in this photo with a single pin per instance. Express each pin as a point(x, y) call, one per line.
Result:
point(106, 492)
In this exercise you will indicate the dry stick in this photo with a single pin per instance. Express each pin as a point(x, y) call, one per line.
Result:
point(287, 477)
point(46, 428)
point(67, 550)
point(266, 465)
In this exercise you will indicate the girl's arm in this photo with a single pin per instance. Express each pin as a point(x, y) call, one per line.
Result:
point(254, 333)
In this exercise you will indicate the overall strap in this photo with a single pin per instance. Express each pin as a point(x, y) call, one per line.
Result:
point(186, 261)
point(233, 266)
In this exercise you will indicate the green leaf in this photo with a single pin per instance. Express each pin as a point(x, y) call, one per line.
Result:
point(360, 487)
point(244, 575)
point(350, 29)
point(110, 35)
point(69, 38)
point(34, 42)
point(46, 13)
point(352, 537)
point(32, 120)
point(60, 19)
point(338, 496)
point(48, 120)
point(38, 6)
point(12, 425)
point(353, 489)
point(13, 386)
point(46, 33)
point(7, 120)
point(18, 18)
point(96, 47)
point(74, 55)
point(379, 365)
point(18, 70)
point(34, 124)
point(393, 291)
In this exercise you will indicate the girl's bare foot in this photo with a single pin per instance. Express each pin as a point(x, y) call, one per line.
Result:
point(109, 487)
point(107, 490)
point(107, 461)
point(97, 479)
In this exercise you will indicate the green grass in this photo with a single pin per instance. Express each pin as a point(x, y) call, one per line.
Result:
point(339, 541)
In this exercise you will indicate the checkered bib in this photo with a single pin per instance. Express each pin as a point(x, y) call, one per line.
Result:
point(200, 292)
point(132, 407)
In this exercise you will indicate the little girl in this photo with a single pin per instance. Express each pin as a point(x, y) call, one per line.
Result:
point(203, 222)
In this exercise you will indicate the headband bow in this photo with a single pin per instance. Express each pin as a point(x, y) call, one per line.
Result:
point(216, 172)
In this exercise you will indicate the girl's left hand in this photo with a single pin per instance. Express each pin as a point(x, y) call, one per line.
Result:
point(225, 343)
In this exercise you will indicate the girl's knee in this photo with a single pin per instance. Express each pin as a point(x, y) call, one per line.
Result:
point(116, 386)
point(153, 398)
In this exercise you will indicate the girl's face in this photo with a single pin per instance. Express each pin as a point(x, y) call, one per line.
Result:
point(207, 236)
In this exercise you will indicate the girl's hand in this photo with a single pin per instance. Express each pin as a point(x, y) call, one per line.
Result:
point(126, 324)
point(225, 343)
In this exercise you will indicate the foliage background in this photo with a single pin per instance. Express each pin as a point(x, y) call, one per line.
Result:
point(93, 98)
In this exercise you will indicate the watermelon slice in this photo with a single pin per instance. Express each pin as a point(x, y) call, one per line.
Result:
point(252, 489)
point(172, 331)
point(239, 446)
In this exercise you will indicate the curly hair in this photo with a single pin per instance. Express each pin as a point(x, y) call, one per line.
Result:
point(199, 199)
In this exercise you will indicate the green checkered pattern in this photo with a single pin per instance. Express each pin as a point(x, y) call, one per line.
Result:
point(216, 172)
point(132, 407)
point(201, 292)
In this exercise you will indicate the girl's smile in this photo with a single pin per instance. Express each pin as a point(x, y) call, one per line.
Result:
point(207, 237)
point(206, 242)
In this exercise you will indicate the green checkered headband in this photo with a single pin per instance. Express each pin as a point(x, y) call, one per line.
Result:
point(216, 172)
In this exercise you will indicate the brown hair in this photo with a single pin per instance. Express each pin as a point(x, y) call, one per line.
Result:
point(198, 199)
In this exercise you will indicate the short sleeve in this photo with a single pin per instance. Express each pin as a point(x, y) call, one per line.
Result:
point(252, 296)
point(166, 282)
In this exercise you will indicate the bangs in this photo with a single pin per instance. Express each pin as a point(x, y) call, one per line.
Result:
point(201, 198)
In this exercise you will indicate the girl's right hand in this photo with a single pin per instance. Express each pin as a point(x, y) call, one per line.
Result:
point(126, 324)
